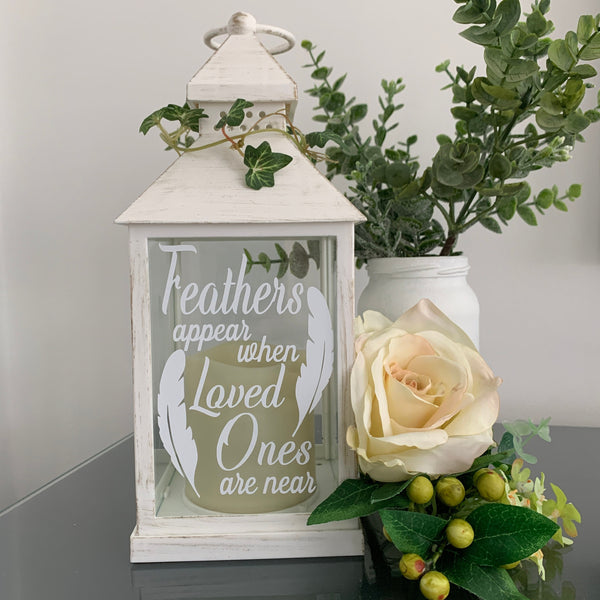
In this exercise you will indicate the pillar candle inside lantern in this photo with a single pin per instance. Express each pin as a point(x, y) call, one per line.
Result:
point(252, 455)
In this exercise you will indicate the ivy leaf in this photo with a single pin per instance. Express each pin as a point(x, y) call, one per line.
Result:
point(350, 500)
point(151, 120)
point(262, 162)
point(235, 115)
point(487, 583)
point(505, 534)
point(412, 531)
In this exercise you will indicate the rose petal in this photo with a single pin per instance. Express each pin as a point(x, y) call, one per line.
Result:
point(371, 321)
point(396, 444)
point(361, 398)
point(403, 349)
point(456, 455)
point(478, 416)
point(405, 408)
point(381, 400)
point(386, 469)
point(425, 315)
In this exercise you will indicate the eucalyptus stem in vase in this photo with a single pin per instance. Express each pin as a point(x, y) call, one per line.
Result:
point(525, 114)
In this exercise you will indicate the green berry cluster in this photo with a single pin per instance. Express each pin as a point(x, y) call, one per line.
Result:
point(449, 497)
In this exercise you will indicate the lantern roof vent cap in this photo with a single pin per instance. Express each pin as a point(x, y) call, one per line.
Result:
point(242, 67)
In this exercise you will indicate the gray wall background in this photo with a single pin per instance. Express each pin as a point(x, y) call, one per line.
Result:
point(77, 79)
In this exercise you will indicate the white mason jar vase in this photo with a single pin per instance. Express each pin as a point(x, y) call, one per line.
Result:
point(397, 284)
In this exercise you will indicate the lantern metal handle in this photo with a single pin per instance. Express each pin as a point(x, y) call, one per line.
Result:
point(245, 24)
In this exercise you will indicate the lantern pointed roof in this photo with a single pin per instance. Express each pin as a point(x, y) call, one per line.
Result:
point(242, 67)
point(208, 186)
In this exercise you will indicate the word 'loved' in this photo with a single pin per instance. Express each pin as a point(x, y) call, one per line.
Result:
point(216, 398)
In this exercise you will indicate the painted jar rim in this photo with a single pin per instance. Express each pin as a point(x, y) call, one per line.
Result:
point(419, 266)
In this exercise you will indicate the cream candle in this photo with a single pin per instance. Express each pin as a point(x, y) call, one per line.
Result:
point(243, 417)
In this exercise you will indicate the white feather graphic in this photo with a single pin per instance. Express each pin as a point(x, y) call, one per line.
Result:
point(316, 372)
point(174, 432)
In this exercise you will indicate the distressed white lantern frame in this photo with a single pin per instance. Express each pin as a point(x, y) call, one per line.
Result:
point(203, 196)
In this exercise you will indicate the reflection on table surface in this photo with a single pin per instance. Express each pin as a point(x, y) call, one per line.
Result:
point(71, 541)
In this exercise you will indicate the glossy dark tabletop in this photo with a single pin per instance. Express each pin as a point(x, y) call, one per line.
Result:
point(71, 542)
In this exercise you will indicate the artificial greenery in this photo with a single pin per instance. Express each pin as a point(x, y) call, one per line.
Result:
point(522, 115)
point(511, 525)
point(261, 161)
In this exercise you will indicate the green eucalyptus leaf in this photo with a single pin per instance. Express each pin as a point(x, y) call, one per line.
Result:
point(574, 191)
point(283, 267)
point(551, 104)
point(264, 259)
point(350, 500)
point(576, 122)
point(480, 35)
point(397, 174)
point(358, 112)
point(544, 199)
point(262, 162)
point(298, 259)
point(499, 166)
point(509, 12)
point(591, 50)
point(536, 23)
point(281, 252)
point(560, 205)
point(584, 71)
point(321, 73)
point(560, 54)
point(549, 122)
point(586, 27)
point(571, 41)
point(464, 113)
point(491, 224)
point(469, 13)
point(529, 217)
point(314, 251)
point(507, 207)
point(505, 534)
point(412, 531)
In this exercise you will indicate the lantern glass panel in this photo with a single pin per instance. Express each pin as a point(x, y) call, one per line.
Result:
point(243, 335)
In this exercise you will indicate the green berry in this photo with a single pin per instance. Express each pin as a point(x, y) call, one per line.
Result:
point(511, 565)
point(434, 586)
point(412, 566)
point(490, 486)
point(386, 535)
point(450, 491)
point(420, 490)
point(459, 533)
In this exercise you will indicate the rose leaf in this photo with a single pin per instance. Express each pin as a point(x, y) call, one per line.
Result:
point(506, 534)
point(488, 583)
point(412, 531)
point(350, 500)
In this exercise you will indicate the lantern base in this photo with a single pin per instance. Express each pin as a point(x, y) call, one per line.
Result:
point(250, 546)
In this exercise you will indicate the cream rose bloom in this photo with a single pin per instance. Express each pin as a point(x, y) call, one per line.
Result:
point(423, 398)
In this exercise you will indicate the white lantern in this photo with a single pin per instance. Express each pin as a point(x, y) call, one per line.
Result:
point(242, 307)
